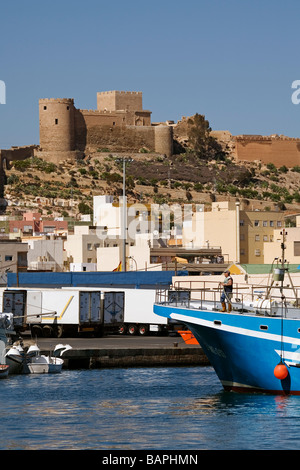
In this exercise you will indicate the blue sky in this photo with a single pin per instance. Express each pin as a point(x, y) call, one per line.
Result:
point(233, 61)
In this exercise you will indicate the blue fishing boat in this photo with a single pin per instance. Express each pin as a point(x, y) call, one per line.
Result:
point(254, 346)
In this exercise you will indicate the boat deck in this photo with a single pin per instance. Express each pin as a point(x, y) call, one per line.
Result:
point(253, 300)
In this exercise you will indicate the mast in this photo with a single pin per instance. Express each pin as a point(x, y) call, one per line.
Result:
point(283, 269)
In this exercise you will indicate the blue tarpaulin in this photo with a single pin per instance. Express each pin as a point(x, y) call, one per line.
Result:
point(134, 279)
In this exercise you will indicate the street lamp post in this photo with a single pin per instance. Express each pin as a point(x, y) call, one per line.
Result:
point(124, 231)
point(124, 225)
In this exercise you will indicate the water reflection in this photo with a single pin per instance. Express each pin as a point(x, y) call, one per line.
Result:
point(151, 408)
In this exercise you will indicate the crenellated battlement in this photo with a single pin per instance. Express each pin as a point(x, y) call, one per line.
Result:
point(265, 138)
point(57, 100)
point(98, 111)
point(120, 92)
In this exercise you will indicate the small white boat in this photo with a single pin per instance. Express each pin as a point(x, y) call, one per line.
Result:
point(45, 365)
point(15, 358)
point(38, 363)
point(6, 327)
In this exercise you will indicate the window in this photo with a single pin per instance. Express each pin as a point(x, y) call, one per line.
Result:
point(89, 247)
point(257, 238)
point(45, 107)
point(265, 238)
point(271, 223)
point(242, 252)
point(48, 228)
point(256, 223)
point(68, 107)
point(265, 223)
point(242, 236)
point(242, 223)
point(296, 248)
point(279, 223)
point(56, 121)
point(257, 252)
point(8, 257)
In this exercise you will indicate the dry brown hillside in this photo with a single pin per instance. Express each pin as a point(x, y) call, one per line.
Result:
point(67, 189)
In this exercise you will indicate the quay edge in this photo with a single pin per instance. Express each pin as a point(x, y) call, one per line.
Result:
point(133, 357)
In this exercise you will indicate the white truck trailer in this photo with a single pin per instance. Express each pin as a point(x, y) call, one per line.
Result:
point(72, 311)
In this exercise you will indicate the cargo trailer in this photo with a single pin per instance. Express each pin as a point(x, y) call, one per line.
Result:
point(61, 312)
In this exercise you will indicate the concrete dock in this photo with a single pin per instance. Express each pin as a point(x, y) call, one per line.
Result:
point(126, 351)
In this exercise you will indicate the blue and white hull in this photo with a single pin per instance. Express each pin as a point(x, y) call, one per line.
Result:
point(244, 349)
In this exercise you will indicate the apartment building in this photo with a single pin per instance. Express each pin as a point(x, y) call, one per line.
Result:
point(256, 230)
point(33, 223)
point(240, 233)
point(13, 256)
point(292, 245)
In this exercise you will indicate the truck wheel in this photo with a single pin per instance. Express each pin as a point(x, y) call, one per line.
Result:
point(47, 331)
point(132, 330)
point(143, 330)
point(36, 331)
point(122, 330)
point(59, 331)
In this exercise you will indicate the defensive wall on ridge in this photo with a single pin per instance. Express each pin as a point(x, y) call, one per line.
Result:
point(9, 155)
point(120, 124)
point(279, 150)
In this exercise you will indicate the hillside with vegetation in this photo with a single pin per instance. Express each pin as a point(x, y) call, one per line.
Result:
point(201, 170)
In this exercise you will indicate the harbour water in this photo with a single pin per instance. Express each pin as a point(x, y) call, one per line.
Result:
point(176, 408)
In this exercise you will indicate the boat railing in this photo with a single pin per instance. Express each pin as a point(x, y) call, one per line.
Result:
point(243, 295)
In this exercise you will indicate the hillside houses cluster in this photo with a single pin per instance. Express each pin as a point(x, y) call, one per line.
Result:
point(157, 238)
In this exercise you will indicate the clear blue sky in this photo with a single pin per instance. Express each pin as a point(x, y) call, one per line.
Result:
point(232, 60)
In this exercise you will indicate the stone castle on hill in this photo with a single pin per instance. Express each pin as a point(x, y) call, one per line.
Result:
point(119, 123)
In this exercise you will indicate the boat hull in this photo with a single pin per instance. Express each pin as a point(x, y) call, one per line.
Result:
point(245, 349)
point(45, 365)
point(4, 369)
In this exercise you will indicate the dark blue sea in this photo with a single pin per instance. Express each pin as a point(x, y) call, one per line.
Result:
point(182, 408)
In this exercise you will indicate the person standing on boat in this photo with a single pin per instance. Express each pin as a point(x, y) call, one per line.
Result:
point(227, 291)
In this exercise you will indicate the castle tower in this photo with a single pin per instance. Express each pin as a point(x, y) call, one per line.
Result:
point(163, 139)
point(120, 100)
point(57, 124)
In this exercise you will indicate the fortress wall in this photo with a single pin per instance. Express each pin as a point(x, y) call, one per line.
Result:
point(95, 118)
point(279, 151)
point(18, 153)
point(124, 138)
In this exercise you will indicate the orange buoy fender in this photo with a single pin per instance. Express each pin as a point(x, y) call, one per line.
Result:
point(281, 371)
